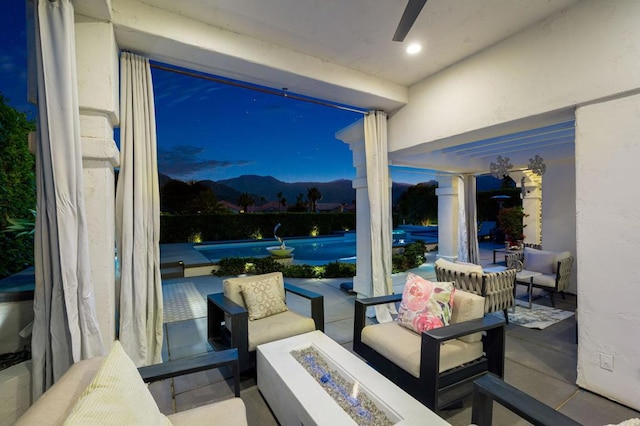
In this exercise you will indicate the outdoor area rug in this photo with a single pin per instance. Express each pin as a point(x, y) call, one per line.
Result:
point(538, 316)
point(182, 301)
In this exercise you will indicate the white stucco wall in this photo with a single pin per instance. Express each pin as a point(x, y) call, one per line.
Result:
point(589, 52)
point(583, 56)
point(559, 211)
point(608, 234)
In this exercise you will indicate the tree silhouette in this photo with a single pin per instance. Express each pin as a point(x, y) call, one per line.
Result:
point(300, 205)
point(418, 204)
point(280, 198)
point(190, 197)
point(17, 187)
point(313, 195)
point(245, 200)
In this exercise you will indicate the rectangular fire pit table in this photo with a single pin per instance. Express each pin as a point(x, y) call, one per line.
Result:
point(296, 398)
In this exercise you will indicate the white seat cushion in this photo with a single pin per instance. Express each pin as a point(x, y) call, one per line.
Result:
point(546, 280)
point(402, 347)
point(279, 326)
point(230, 412)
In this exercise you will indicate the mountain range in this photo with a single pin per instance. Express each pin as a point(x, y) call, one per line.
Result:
point(337, 191)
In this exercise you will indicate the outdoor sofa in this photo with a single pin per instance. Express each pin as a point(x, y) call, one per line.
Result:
point(110, 390)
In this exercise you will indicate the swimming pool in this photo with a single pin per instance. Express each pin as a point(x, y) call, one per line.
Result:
point(312, 251)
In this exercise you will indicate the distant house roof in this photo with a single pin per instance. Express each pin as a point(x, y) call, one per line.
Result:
point(271, 206)
point(335, 207)
point(230, 206)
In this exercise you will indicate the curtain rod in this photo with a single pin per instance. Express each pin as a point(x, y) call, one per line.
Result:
point(257, 88)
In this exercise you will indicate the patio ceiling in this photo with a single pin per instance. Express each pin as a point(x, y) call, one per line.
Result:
point(554, 143)
point(334, 36)
point(342, 51)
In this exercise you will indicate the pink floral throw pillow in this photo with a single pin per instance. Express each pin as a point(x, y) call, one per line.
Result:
point(425, 305)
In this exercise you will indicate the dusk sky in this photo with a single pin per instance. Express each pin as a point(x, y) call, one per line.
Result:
point(210, 130)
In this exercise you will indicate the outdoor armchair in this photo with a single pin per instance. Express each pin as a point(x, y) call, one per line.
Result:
point(490, 388)
point(497, 288)
point(438, 366)
point(554, 267)
point(252, 310)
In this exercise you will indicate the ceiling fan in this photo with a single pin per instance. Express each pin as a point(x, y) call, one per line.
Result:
point(409, 16)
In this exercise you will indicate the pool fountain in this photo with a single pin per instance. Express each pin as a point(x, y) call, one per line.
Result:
point(282, 250)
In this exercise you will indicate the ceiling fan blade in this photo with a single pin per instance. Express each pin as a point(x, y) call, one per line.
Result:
point(409, 16)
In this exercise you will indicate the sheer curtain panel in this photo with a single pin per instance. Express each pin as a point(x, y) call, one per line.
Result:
point(138, 216)
point(65, 328)
point(379, 189)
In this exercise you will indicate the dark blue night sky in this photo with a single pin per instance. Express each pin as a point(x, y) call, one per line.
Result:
point(210, 130)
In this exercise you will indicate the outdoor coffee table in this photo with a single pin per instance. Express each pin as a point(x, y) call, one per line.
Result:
point(525, 275)
point(296, 398)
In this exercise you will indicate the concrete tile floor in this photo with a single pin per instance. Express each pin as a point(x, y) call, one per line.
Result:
point(541, 363)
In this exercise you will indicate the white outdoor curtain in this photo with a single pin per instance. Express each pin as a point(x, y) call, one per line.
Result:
point(375, 140)
point(468, 249)
point(138, 216)
point(65, 328)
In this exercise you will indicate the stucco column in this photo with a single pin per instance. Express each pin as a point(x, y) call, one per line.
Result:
point(531, 194)
point(98, 77)
point(447, 193)
point(354, 137)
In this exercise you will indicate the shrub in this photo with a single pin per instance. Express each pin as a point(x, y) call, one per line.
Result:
point(17, 188)
point(339, 270)
point(232, 266)
point(264, 265)
point(412, 257)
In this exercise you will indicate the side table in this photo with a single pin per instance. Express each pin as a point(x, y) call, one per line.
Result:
point(525, 275)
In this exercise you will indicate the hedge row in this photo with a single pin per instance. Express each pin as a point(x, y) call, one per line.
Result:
point(412, 257)
point(218, 227)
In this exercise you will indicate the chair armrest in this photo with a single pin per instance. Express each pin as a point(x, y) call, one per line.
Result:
point(493, 343)
point(226, 305)
point(379, 300)
point(359, 317)
point(490, 388)
point(194, 364)
point(317, 303)
point(217, 306)
point(307, 294)
point(453, 331)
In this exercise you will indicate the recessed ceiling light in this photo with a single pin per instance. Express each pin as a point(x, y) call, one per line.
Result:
point(413, 48)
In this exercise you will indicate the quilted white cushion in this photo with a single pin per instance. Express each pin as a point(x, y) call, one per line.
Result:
point(117, 395)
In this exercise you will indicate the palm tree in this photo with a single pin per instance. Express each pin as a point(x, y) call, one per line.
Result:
point(245, 200)
point(280, 198)
point(283, 202)
point(313, 194)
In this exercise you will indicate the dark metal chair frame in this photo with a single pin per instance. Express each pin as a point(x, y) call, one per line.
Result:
point(490, 388)
point(434, 389)
point(221, 338)
point(166, 370)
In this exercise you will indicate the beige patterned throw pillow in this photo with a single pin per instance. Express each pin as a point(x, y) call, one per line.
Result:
point(263, 298)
